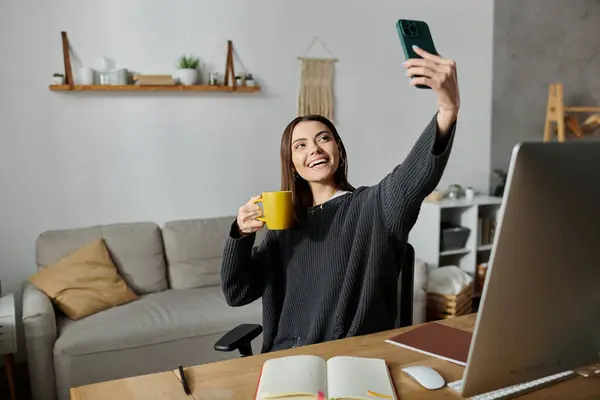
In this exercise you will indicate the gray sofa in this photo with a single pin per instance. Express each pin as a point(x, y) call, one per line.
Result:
point(180, 316)
point(177, 320)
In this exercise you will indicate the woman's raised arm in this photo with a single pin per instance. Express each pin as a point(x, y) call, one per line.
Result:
point(403, 190)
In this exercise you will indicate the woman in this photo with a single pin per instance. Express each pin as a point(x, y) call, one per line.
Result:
point(334, 274)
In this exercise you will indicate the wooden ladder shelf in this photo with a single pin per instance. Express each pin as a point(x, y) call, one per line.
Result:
point(556, 112)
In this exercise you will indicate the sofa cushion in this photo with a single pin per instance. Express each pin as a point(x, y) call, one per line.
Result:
point(84, 282)
point(135, 248)
point(154, 318)
point(194, 249)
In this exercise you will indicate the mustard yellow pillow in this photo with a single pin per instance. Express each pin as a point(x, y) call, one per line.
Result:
point(84, 282)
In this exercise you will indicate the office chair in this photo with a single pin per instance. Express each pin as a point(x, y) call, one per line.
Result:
point(241, 337)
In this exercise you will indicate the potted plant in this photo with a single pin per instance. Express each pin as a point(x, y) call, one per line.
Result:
point(58, 79)
point(187, 70)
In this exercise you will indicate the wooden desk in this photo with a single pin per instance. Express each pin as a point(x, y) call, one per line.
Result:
point(236, 379)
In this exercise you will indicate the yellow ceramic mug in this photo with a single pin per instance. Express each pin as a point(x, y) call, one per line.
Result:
point(278, 210)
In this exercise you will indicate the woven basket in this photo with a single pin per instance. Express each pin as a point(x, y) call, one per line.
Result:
point(441, 306)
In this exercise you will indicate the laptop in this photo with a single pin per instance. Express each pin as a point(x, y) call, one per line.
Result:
point(539, 313)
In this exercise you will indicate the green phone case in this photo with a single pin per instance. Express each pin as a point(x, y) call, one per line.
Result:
point(413, 32)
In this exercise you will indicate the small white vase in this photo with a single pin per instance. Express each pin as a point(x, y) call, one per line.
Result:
point(187, 76)
point(86, 76)
point(470, 194)
point(58, 80)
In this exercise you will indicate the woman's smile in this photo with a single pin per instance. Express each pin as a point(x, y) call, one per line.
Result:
point(318, 162)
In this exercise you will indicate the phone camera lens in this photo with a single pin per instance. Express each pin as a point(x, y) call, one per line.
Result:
point(410, 29)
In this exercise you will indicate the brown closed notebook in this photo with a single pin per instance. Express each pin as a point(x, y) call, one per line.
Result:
point(437, 340)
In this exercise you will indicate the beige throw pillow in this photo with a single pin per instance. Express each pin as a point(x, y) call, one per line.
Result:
point(84, 282)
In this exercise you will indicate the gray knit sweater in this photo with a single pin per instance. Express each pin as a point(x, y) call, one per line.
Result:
point(335, 274)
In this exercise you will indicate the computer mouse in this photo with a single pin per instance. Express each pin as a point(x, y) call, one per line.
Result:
point(425, 376)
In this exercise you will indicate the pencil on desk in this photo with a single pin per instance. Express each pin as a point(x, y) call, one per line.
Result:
point(383, 396)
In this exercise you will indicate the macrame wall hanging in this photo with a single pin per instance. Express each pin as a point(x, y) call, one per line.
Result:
point(316, 83)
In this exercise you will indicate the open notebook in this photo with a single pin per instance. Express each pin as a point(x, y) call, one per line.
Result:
point(305, 377)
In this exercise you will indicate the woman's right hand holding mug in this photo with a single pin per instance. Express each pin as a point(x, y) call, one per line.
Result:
point(247, 217)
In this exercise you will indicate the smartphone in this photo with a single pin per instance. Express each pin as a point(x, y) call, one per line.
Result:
point(413, 32)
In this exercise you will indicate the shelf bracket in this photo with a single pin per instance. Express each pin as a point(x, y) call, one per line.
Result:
point(67, 61)
point(229, 66)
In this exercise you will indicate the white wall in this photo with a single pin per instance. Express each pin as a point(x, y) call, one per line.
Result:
point(77, 159)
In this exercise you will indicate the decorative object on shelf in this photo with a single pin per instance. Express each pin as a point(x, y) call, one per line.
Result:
point(316, 83)
point(584, 128)
point(118, 79)
point(244, 80)
point(249, 80)
point(436, 195)
point(154, 80)
point(187, 70)
point(502, 175)
point(110, 74)
point(557, 112)
point(240, 80)
point(213, 78)
point(58, 79)
point(469, 193)
point(455, 191)
point(592, 121)
point(86, 76)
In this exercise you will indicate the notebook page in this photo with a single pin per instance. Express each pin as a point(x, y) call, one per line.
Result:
point(358, 378)
point(293, 377)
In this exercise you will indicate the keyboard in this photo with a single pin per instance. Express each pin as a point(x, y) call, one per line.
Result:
point(518, 389)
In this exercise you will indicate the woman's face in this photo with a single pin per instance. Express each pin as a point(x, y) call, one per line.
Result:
point(315, 153)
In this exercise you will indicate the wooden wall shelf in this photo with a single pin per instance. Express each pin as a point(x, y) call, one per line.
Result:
point(70, 86)
point(137, 88)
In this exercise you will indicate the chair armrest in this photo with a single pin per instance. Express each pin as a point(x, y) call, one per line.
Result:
point(39, 323)
point(239, 338)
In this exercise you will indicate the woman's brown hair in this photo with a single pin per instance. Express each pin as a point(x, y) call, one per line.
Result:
point(301, 193)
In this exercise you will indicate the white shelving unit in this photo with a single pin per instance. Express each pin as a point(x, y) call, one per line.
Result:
point(478, 215)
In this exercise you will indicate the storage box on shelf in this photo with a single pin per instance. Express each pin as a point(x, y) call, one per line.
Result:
point(454, 238)
point(441, 306)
